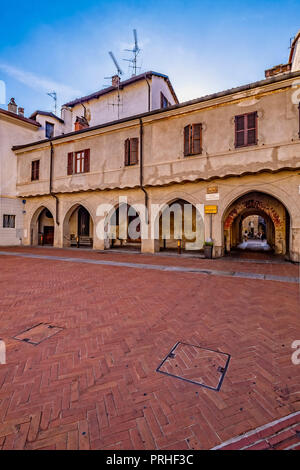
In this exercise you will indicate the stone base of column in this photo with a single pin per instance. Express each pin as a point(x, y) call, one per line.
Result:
point(150, 246)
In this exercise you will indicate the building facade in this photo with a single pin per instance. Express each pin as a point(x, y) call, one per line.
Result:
point(226, 156)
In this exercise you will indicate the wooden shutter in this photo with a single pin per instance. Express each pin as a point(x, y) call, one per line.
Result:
point(196, 138)
point(86, 168)
point(299, 119)
point(239, 131)
point(35, 170)
point(187, 140)
point(70, 163)
point(127, 150)
point(251, 128)
point(134, 150)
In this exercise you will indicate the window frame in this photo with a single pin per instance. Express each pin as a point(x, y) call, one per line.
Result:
point(80, 156)
point(47, 123)
point(11, 217)
point(129, 161)
point(35, 170)
point(245, 131)
point(190, 139)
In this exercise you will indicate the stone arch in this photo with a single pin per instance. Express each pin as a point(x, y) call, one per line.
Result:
point(189, 223)
point(37, 230)
point(261, 203)
point(71, 225)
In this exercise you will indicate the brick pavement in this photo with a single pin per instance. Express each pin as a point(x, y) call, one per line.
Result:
point(93, 385)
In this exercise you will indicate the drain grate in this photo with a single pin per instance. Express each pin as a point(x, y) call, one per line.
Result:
point(38, 333)
point(197, 365)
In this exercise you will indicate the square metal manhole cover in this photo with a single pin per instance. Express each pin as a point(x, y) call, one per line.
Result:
point(197, 365)
point(38, 333)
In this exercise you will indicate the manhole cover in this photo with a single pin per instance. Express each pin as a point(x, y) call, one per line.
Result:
point(199, 366)
point(38, 333)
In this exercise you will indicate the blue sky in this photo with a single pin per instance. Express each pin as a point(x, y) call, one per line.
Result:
point(203, 46)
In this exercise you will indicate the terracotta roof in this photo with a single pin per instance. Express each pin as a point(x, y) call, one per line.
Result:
point(45, 113)
point(20, 118)
point(134, 79)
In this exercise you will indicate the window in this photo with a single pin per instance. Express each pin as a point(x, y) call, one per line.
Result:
point(131, 151)
point(9, 221)
point(35, 170)
point(193, 139)
point(164, 103)
point(49, 130)
point(78, 162)
point(246, 130)
point(299, 119)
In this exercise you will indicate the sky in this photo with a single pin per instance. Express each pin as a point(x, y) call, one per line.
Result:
point(203, 46)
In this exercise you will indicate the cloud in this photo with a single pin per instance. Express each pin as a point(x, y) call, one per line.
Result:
point(39, 83)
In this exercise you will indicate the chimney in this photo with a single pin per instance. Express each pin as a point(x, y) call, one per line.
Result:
point(12, 107)
point(21, 111)
point(81, 123)
point(115, 81)
point(278, 70)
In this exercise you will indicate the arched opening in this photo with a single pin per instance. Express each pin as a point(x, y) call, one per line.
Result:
point(181, 227)
point(257, 222)
point(124, 228)
point(42, 227)
point(78, 227)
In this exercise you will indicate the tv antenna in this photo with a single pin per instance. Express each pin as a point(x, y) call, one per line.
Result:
point(53, 95)
point(116, 83)
point(135, 51)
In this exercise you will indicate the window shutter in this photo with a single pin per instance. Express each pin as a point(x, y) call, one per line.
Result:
point(134, 149)
point(70, 163)
point(127, 150)
point(239, 131)
point(187, 140)
point(196, 138)
point(251, 128)
point(32, 171)
point(86, 161)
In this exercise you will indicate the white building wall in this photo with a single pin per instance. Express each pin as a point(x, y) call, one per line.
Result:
point(296, 57)
point(12, 132)
point(11, 206)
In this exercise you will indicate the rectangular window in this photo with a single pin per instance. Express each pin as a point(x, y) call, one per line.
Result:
point(131, 151)
point(193, 139)
point(164, 103)
point(49, 130)
point(78, 162)
point(246, 130)
point(35, 170)
point(9, 221)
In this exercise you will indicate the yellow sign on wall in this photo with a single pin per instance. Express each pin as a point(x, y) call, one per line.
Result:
point(211, 209)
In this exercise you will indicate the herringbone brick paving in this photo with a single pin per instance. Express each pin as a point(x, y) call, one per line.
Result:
point(94, 386)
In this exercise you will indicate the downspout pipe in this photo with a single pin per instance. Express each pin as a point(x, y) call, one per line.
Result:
point(142, 169)
point(50, 183)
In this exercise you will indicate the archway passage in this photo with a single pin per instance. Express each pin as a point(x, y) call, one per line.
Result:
point(42, 227)
point(180, 227)
point(257, 222)
point(125, 228)
point(78, 227)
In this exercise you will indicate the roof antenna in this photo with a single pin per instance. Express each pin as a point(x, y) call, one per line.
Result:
point(116, 82)
point(54, 96)
point(135, 50)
